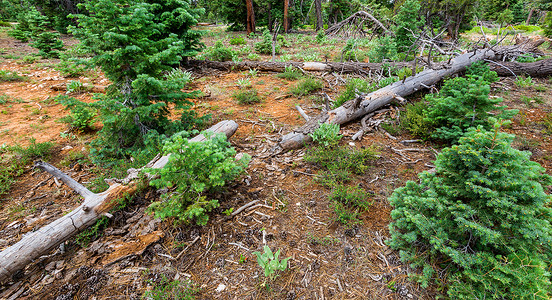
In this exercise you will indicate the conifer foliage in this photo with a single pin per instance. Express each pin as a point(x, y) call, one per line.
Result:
point(482, 220)
point(136, 44)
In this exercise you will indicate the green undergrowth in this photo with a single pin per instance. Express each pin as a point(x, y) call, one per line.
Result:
point(196, 171)
point(480, 224)
point(339, 165)
point(15, 159)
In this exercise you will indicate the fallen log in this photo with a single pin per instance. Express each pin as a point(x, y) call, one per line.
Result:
point(40, 242)
point(340, 67)
point(365, 104)
point(541, 68)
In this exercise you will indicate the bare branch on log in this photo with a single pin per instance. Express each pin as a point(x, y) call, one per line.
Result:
point(39, 242)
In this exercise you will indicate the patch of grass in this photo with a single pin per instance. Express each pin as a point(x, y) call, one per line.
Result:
point(347, 203)
point(290, 73)
point(306, 86)
point(247, 96)
point(523, 81)
point(14, 159)
point(10, 99)
point(540, 88)
point(6, 75)
point(166, 289)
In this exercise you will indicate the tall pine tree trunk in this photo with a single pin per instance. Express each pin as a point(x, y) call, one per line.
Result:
point(318, 8)
point(286, 16)
point(250, 16)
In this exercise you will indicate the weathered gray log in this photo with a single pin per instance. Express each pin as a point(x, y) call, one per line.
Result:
point(40, 242)
point(541, 68)
point(361, 106)
point(344, 67)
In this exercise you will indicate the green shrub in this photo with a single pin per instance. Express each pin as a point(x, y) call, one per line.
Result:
point(136, 44)
point(29, 59)
point(194, 168)
point(6, 75)
point(352, 87)
point(82, 115)
point(75, 61)
point(481, 221)
point(463, 103)
point(219, 52)
point(306, 86)
point(326, 135)
point(48, 44)
point(290, 73)
point(265, 45)
point(414, 120)
point(407, 22)
point(247, 96)
point(238, 41)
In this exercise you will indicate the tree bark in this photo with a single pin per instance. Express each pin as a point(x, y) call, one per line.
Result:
point(250, 16)
point(318, 9)
point(40, 242)
point(356, 108)
point(541, 68)
point(286, 16)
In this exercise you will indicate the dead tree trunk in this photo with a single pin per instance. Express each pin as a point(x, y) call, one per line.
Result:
point(38, 243)
point(365, 104)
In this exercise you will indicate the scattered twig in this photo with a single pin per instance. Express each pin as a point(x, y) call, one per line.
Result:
point(239, 246)
point(187, 247)
point(239, 210)
point(302, 113)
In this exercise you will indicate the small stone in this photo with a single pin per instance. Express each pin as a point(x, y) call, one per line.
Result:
point(66, 148)
point(220, 288)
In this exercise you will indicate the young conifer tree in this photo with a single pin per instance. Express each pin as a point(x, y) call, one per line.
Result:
point(136, 44)
point(482, 220)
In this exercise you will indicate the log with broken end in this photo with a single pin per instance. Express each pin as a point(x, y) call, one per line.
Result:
point(352, 110)
point(37, 243)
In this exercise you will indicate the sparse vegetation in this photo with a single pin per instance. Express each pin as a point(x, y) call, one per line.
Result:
point(306, 86)
point(247, 96)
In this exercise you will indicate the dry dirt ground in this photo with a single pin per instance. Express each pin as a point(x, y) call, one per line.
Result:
point(137, 252)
